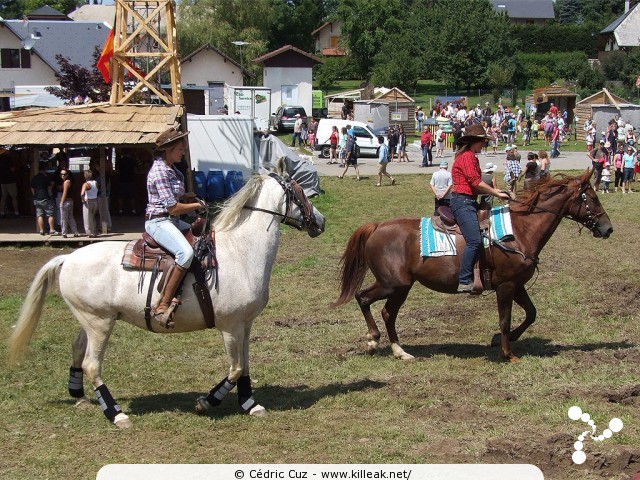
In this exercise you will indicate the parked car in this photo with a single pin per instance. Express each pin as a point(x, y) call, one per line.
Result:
point(366, 139)
point(285, 117)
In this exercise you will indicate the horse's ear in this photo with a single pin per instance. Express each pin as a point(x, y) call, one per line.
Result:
point(281, 167)
point(586, 176)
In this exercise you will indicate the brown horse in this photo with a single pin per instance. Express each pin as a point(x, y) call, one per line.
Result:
point(391, 250)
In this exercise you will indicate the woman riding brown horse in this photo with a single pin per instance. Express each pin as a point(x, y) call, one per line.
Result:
point(391, 251)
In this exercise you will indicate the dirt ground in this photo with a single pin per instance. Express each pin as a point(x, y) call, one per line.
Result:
point(19, 265)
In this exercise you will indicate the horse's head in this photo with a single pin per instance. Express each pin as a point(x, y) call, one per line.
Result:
point(299, 212)
point(585, 207)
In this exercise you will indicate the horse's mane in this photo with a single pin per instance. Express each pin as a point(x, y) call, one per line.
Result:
point(547, 185)
point(231, 209)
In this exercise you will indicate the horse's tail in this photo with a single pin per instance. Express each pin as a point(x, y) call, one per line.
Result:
point(354, 266)
point(32, 308)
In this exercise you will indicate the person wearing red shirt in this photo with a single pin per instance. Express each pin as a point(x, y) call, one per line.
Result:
point(426, 142)
point(553, 110)
point(467, 184)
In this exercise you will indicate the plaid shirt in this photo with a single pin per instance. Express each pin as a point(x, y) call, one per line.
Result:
point(513, 168)
point(466, 173)
point(165, 185)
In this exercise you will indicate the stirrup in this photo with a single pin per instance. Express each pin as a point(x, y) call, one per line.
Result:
point(165, 318)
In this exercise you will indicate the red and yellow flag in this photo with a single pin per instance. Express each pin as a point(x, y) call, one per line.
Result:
point(105, 58)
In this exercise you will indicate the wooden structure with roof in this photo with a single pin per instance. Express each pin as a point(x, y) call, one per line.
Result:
point(98, 124)
point(601, 108)
point(561, 97)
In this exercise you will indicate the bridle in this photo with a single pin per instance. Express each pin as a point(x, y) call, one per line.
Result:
point(591, 221)
point(294, 195)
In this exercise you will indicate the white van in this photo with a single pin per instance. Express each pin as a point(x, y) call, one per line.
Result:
point(365, 138)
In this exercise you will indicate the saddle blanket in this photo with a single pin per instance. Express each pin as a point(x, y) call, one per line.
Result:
point(434, 243)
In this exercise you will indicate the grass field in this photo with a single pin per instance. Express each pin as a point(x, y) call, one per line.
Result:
point(329, 402)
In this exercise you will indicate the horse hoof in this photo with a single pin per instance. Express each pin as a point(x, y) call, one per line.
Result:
point(83, 402)
point(404, 356)
point(122, 421)
point(511, 358)
point(372, 347)
point(202, 405)
point(399, 353)
point(258, 411)
point(495, 340)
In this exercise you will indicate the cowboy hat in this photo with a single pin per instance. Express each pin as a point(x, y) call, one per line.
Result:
point(168, 137)
point(490, 167)
point(473, 133)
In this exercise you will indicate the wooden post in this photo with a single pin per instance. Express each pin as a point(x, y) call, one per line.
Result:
point(103, 189)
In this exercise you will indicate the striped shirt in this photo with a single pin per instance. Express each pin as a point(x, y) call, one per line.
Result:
point(466, 173)
point(165, 185)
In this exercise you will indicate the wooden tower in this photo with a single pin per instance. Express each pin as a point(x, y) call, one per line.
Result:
point(145, 49)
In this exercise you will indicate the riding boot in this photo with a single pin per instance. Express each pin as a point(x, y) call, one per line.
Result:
point(163, 313)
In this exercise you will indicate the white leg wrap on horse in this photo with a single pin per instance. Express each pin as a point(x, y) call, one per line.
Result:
point(220, 391)
point(76, 389)
point(109, 406)
point(245, 395)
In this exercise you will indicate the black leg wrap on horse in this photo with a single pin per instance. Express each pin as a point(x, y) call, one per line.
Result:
point(76, 389)
point(220, 391)
point(245, 395)
point(109, 406)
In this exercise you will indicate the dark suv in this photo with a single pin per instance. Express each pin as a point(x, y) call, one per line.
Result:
point(285, 117)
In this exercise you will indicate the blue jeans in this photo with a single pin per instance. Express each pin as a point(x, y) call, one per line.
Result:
point(465, 211)
point(167, 232)
point(293, 139)
point(427, 158)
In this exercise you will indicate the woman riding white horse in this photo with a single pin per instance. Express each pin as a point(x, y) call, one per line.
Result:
point(167, 201)
point(98, 291)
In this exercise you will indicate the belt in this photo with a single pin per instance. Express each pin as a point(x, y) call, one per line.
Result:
point(160, 215)
point(465, 195)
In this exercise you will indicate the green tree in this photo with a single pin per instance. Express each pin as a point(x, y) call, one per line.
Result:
point(460, 54)
point(11, 9)
point(400, 61)
point(292, 22)
point(233, 19)
point(366, 25)
point(591, 80)
point(64, 6)
point(613, 65)
point(570, 11)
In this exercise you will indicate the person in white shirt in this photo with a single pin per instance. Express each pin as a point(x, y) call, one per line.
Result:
point(441, 184)
point(440, 138)
point(297, 131)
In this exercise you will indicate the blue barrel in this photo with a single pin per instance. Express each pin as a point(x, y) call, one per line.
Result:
point(233, 182)
point(200, 184)
point(215, 185)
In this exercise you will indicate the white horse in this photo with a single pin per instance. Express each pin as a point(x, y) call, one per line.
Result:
point(98, 291)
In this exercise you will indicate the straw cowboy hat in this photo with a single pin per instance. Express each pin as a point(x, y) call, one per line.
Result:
point(473, 133)
point(167, 138)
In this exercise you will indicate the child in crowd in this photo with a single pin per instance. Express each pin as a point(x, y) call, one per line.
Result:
point(343, 146)
point(304, 134)
point(494, 139)
point(535, 128)
point(606, 177)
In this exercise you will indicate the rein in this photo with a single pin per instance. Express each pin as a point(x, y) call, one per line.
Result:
point(294, 195)
point(592, 218)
